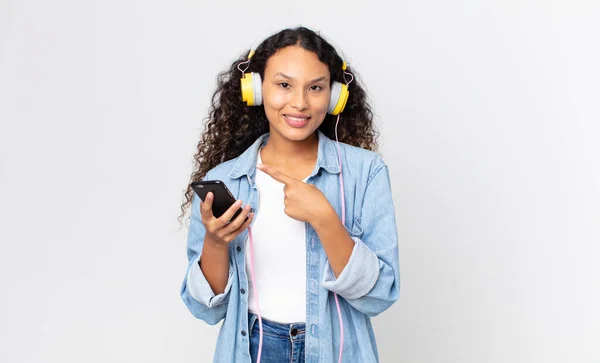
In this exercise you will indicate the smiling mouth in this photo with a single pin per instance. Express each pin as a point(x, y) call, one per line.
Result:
point(296, 122)
point(297, 119)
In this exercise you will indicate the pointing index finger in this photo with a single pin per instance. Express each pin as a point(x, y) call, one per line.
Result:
point(276, 174)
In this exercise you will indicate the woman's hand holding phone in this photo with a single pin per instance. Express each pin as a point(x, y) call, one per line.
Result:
point(220, 231)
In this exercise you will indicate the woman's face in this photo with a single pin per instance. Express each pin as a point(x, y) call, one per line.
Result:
point(295, 93)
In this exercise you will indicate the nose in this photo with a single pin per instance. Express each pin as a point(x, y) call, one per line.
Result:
point(299, 100)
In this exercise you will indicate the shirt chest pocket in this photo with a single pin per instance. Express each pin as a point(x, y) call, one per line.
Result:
point(356, 229)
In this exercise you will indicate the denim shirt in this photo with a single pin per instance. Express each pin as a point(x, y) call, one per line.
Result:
point(367, 286)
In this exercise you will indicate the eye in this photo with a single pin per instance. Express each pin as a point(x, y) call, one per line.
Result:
point(284, 85)
point(316, 88)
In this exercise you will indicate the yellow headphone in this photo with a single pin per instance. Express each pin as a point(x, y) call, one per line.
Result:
point(251, 85)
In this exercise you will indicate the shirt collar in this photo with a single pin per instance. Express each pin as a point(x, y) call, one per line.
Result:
point(327, 157)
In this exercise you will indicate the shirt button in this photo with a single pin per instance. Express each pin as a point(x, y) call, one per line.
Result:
point(242, 291)
point(243, 333)
point(238, 248)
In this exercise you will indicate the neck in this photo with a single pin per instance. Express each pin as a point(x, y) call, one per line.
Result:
point(281, 152)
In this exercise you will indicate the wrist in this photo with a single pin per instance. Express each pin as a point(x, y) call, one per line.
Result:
point(214, 245)
point(326, 220)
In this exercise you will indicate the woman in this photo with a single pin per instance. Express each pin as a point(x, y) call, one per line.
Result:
point(313, 256)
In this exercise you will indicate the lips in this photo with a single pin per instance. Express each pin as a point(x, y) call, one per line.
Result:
point(295, 120)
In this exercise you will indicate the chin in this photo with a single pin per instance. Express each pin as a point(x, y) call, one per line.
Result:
point(301, 134)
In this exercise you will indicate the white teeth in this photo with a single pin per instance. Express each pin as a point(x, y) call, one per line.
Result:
point(296, 118)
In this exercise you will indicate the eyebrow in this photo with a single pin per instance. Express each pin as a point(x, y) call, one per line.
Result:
point(322, 78)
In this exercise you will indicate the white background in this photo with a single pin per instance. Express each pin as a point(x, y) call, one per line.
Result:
point(489, 115)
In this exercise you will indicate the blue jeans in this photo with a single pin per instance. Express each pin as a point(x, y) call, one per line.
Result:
point(282, 343)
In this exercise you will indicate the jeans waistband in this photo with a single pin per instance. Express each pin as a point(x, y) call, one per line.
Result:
point(292, 331)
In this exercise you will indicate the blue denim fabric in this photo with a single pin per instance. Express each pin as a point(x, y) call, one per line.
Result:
point(368, 285)
point(281, 342)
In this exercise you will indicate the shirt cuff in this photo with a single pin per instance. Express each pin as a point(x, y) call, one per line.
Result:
point(200, 289)
point(358, 277)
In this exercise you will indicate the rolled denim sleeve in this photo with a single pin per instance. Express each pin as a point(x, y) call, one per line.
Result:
point(370, 281)
point(195, 290)
point(199, 288)
point(358, 276)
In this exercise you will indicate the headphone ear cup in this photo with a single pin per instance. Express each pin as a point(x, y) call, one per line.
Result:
point(338, 98)
point(251, 85)
point(257, 87)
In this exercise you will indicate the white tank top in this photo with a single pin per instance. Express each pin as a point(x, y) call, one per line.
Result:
point(279, 256)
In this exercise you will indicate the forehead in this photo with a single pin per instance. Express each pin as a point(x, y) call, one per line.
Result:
point(296, 62)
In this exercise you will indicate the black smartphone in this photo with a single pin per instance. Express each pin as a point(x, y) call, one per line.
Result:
point(223, 199)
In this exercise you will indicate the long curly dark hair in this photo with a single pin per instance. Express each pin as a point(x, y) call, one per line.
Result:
point(231, 126)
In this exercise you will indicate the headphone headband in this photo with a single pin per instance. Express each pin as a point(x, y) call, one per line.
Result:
point(256, 44)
